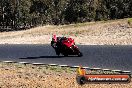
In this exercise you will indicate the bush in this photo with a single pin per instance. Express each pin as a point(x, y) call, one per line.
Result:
point(130, 22)
point(31, 13)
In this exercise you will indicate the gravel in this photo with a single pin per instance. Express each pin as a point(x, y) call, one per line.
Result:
point(14, 75)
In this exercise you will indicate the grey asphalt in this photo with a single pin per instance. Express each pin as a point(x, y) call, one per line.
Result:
point(94, 56)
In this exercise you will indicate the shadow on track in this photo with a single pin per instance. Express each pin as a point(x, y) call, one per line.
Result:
point(42, 57)
point(45, 57)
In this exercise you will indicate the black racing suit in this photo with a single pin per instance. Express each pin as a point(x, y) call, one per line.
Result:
point(58, 45)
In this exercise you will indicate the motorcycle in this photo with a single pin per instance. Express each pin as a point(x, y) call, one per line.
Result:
point(65, 46)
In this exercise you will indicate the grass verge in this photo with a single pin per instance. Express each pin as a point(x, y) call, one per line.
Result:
point(15, 75)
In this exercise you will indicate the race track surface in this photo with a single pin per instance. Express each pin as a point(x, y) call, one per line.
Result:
point(110, 57)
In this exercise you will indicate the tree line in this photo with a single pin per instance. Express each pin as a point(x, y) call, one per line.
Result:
point(22, 14)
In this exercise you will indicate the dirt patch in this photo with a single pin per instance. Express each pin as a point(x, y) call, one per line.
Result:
point(115, 32)
point(31, 76)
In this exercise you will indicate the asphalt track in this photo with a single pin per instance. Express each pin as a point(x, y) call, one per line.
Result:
point(94, 56)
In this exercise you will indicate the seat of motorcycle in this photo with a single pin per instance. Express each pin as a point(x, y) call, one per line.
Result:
point(59, 39)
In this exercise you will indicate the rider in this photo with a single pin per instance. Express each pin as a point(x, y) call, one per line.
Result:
point(57, 41)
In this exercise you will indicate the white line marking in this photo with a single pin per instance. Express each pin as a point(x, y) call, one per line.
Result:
point(126, 71)
point(85, 67)
point(116, 70)
point(52, 64)
point(8, 61)
point(74, 66)
point(95, 68)
point(64, 65)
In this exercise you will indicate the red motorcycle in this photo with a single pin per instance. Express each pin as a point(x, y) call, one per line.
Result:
point(65, 46)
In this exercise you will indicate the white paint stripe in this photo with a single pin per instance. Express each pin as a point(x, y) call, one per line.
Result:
point(64, 65)
point(95, 68)
point(126, 71)
point(8, 61)
point(74, 66)
point(116, 70)
point(52, 64)
point(86, 67)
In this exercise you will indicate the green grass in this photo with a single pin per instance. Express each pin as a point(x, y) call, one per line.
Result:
point(46, 68)
point(89, 23)
point(130, 21)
